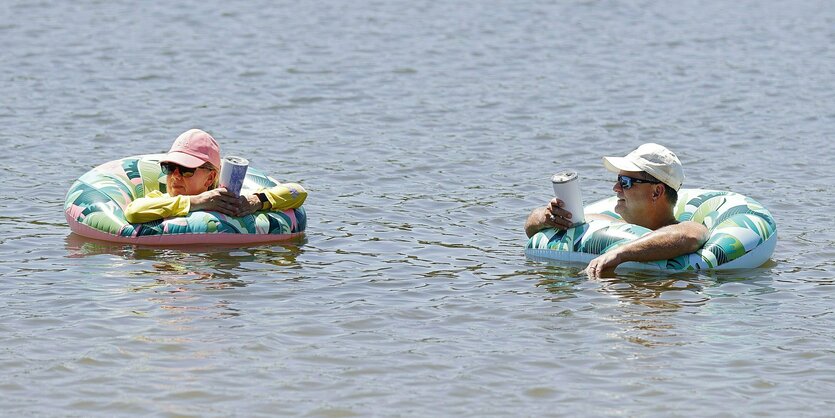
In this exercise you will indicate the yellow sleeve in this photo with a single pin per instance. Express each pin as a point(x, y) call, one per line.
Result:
point(285, 196)
point(156, 206)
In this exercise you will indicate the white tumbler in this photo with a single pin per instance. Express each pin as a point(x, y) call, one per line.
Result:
point(232, 173)
point(567, 188)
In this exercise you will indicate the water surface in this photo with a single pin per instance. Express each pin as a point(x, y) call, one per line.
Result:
point(425, 133)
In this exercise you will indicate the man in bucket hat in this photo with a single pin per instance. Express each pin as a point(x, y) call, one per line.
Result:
point(647, 189)
point(192, 169)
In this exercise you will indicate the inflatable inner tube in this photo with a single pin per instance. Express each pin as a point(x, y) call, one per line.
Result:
point(95, 205)
point(743, 234)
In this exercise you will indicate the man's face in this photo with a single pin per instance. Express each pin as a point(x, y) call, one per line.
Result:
point(633, 202)
point(177, 184)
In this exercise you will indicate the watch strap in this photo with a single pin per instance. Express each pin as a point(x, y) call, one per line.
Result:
point(265, 203)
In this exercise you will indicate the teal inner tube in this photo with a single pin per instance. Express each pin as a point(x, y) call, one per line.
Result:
point(95, 205)
point(743, 234)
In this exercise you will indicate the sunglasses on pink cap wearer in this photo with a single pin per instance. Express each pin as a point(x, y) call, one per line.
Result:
point(169, 168)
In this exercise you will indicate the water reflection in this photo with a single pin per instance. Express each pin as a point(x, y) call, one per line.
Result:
point(650, 288)
point(649, 302)
point(178, 278)
point(216, 256)
point(705, 295)
point(653, 290)
point(560, 281)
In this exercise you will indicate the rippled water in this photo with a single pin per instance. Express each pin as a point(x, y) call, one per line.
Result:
point(425, 132)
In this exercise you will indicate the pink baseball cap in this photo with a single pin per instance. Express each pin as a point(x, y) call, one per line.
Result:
point(194, 148)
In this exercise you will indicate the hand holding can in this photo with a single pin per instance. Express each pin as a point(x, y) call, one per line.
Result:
point(567, 188)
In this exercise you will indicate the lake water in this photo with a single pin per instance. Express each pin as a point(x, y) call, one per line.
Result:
point(425, 132)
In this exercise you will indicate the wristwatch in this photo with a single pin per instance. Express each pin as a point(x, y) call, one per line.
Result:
point(265, 203)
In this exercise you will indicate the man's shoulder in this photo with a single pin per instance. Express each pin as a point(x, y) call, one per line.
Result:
point(603, 217)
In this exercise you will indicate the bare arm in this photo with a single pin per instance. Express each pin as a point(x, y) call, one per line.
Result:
point(553, 216)
point(662, 244)
point(538, 220)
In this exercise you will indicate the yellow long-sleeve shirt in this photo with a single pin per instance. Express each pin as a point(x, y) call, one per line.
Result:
point(158, 205)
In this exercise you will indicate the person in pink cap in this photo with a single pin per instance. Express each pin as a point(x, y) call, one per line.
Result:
point(192, 166)
point(648, 180)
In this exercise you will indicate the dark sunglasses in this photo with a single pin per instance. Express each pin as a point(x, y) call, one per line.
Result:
point(168, 168)
point(626, 182)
